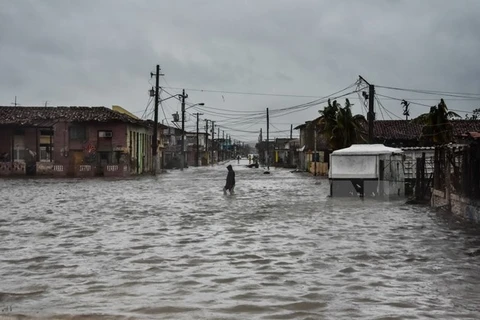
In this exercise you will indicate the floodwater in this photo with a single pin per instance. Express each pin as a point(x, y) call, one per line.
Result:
point(174, 247)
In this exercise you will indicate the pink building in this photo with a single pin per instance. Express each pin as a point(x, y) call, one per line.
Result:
point(73, 141)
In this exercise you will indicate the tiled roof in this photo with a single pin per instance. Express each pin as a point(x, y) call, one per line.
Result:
point(409, 130)
point(40, 115)
point(396, 129)
point(463, 126)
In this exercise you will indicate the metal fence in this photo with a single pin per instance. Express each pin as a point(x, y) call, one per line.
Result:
point(457, 170)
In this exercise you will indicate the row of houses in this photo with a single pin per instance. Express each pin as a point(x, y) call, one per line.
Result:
point(446, 176)
point(309, 154)
point(91, 141)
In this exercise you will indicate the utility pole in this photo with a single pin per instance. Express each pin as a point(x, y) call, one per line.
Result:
point(184, 96)
point(223, 146)
point(198, 152)
point(213, 138)
point(291, 131)
point(218, 145)
point(206, 138)
point(229, 143)
point(268, 131)
point(156, 163)
point(371, 111)
point(315, 149)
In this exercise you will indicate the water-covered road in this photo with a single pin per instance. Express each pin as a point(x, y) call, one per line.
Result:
point(174, 247)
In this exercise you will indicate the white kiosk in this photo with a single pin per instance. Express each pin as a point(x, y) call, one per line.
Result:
point(367, 170)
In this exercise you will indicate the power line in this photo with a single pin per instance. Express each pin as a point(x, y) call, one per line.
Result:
point(231, 111)
point(435, 92)
point(417, 103)
point(248, 93)
point(250, 118)
point(386, 110)
point(149, 101)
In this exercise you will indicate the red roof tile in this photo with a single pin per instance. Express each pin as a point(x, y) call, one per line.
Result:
point(409, 130)
point(396, 130)
point(38, 115)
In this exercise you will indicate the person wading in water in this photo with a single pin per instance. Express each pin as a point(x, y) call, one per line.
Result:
point(230, 185)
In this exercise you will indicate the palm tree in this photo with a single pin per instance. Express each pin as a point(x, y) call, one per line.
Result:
point(340, 126)
point(437, 128)
point(328, 122)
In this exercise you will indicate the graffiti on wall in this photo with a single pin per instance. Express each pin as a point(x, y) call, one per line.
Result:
point(90, 153)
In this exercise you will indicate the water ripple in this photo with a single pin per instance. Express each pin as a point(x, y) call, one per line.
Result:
point(174, 247)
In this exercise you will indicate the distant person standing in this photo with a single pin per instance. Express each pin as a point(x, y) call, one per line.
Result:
point(230, 185)
point(238, 159)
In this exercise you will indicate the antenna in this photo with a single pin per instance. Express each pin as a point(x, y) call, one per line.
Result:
point(15, 103)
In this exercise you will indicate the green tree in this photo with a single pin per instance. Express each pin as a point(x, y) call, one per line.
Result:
point(437, 128)
point(340, 127)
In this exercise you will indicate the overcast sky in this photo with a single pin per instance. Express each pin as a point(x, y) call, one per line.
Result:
point(101, 52)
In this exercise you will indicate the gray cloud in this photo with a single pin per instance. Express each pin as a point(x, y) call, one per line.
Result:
point(101, 52)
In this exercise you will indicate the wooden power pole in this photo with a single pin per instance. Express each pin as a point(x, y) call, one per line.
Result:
point(371, 109)
point(198, 149)
point(268, 151)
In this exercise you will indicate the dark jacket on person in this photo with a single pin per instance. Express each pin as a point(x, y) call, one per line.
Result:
point(230, 178)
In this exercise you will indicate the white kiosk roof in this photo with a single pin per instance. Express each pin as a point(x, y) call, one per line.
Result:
point(366, 149)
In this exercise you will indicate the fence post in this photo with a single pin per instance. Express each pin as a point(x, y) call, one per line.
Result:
point(435, 168)
point(418, 187)
point(448, 155)
point(422, 181)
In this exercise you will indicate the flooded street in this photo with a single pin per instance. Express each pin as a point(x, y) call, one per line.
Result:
point(174, 247)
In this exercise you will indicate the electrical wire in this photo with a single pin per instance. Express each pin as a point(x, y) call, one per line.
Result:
point(386, 110)
point(433, 92)
point(235, 119)
point(417, 103)
point(150, 99)
point(246, 93)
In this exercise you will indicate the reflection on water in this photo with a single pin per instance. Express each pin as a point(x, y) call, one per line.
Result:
point(174, 247)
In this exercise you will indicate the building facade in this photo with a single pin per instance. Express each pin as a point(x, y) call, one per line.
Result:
point(73, 141)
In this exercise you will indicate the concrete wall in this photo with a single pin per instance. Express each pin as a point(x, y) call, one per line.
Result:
point(464, 208)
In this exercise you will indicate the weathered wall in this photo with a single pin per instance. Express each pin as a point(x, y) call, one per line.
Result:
point(462, 207)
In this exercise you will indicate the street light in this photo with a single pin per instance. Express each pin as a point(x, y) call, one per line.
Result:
point(183, 127)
